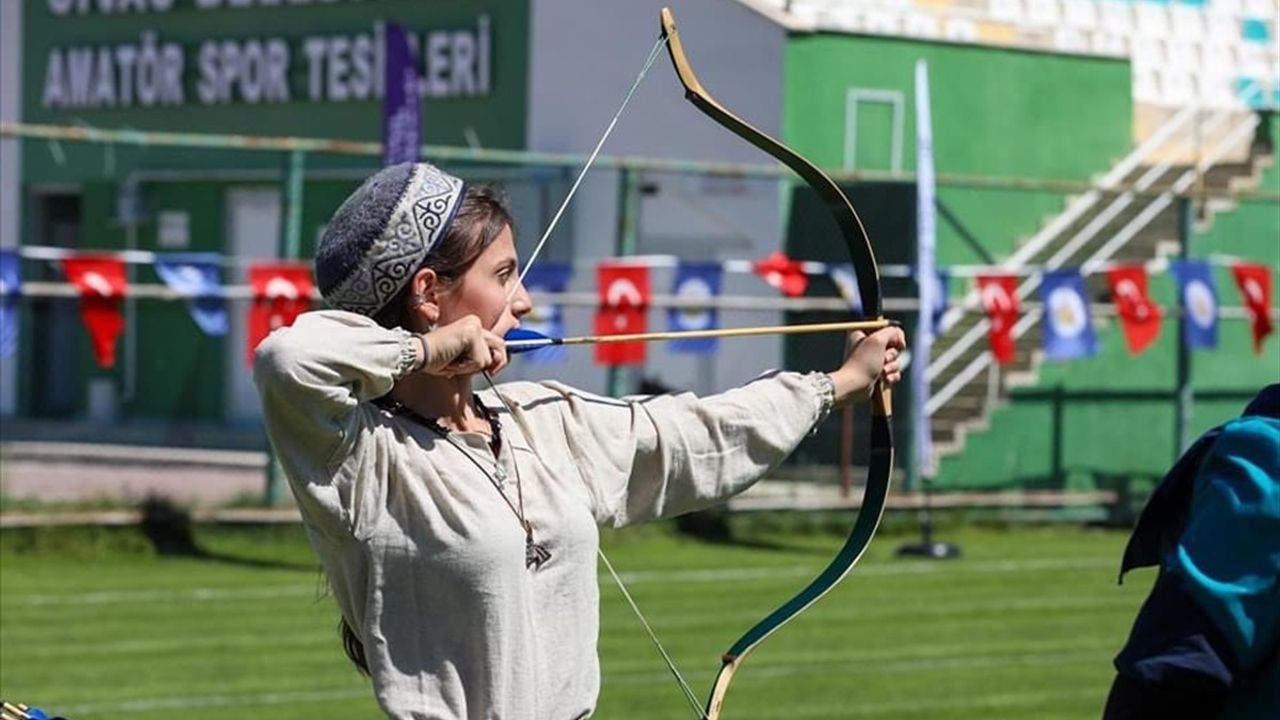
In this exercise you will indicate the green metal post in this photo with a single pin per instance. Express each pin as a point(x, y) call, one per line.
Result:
point(1184, 396)
point(628, 223)
point(290, 249)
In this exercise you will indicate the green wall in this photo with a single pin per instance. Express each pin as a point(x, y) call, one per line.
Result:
point(180, 371)
point(1000, 113)
point(996, 113)
point(496, 116)
point(1117, 411)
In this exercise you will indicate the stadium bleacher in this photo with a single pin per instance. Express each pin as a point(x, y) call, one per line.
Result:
point(1218, 54)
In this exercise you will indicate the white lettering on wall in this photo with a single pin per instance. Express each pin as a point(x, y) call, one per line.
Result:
point(338, 68)
point(108, 7)
point(147, 74)
point(253, 71)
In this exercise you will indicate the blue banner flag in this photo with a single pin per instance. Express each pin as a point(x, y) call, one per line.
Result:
point(847, 285)
point(10, 287)
point(197, 277)
point(1068, 327)
point(547, 318)
point(938, 295)
point(695, 282)
point(401, 122)
point(1199, 302)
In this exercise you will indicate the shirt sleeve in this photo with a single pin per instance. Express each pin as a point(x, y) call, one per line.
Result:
point(660, 456)
point(313, 377)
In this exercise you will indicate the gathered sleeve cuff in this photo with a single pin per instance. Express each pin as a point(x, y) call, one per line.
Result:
point(660, 456)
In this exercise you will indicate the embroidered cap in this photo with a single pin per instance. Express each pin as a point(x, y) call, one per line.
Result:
point(381, 234)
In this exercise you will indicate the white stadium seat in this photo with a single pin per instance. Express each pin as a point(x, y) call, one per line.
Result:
point(1148, 53)
point(1145, 87)
point(1080, 14)
point(1176, 87)
point(1227, 8)
point(844, 18)
point(1188, 22)
point(884, 22)
point(1223, 27)
point(1219, 57)
point(1263, 9)
point(1070, 40)
point(1104, 42)
point(920, 25)
point(960, 30)
point(1117, 17)
point(1152, 20)
point(1182, 54)
point(1007, 10)
point(1043, 13)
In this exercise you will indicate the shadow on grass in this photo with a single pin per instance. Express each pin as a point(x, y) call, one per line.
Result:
point(168, 527)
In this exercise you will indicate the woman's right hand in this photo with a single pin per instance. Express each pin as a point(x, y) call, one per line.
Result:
point(463, 347)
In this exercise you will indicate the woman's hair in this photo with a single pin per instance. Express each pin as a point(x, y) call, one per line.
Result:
point(480, 218)
point(352, 646)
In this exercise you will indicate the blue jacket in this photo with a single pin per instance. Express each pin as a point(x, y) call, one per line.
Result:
point(1212, 622)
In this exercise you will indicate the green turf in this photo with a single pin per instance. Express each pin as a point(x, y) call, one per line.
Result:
point(92, 625)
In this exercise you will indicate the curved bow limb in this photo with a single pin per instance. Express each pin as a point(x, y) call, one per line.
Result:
point(858, 244)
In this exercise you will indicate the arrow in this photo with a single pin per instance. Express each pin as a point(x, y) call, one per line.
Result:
point(520, 340)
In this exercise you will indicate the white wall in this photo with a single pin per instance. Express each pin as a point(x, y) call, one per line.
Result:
point(584, 56)
point(10, 166)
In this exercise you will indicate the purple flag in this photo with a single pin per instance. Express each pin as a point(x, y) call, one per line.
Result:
point(401, 125)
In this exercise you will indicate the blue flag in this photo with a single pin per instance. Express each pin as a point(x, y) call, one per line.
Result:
point(938, 296)
point(10, 287)
point(846, 281)
point(401, 122)
point(1068, 327)
point(696, 282)
point(547, 319)
point(197, 277)
point(1199, 302)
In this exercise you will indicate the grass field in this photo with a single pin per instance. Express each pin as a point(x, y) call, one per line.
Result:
point(94, 625)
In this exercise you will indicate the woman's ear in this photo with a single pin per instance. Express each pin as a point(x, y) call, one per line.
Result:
point(424, 296)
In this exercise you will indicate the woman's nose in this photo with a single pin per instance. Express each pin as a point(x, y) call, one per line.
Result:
point(521, 303)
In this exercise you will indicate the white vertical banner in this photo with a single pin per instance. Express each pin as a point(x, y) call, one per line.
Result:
point(922, 465)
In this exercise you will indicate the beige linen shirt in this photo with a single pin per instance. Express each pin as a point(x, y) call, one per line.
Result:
point(426, 559)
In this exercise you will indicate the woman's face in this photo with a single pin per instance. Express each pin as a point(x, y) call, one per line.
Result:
point(482, 291)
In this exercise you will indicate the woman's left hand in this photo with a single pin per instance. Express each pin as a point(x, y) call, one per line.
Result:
point(869, 358)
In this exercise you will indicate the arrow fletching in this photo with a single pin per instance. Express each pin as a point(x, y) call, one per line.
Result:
point(521, 340)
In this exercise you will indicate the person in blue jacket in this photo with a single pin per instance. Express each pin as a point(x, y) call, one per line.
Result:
point(1206, 643)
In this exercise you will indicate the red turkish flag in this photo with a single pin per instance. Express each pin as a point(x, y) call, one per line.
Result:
point(281, 292)
point(1139, 317)
point(1254, 281)
point(1000, 301)
point(624, 309)
point(101, 283)
point(783, 273)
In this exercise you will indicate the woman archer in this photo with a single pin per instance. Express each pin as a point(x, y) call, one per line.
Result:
point(458, 529)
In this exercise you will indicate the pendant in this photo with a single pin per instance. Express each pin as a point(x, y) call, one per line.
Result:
point(534, 554)
point(500, 477)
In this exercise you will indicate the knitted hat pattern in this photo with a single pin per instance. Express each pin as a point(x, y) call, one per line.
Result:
point(381, 234)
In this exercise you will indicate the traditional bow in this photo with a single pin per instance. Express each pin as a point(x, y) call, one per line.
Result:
point(864, 264)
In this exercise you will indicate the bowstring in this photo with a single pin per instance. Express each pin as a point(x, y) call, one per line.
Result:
point(688, 693)
point(591, 159)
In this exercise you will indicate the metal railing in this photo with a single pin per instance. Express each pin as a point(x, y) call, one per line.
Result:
point(1240, 133)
